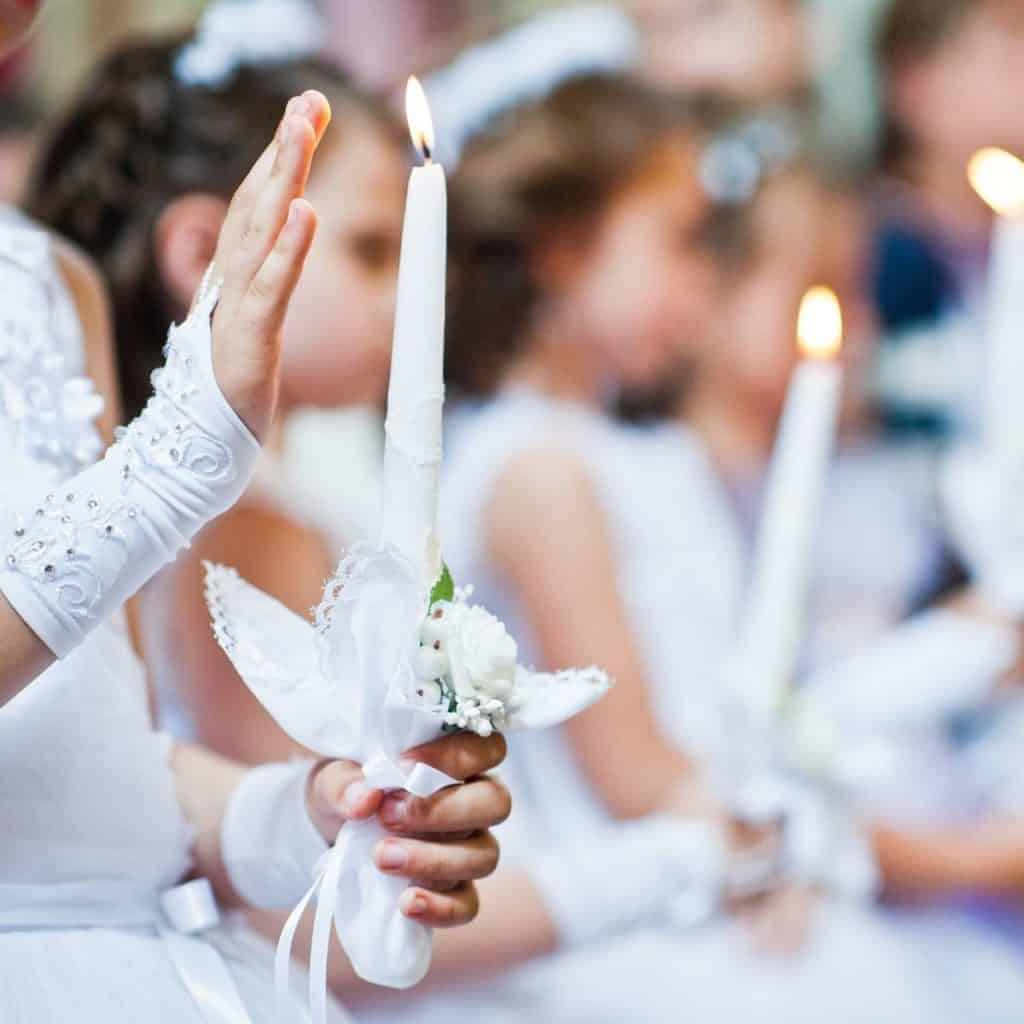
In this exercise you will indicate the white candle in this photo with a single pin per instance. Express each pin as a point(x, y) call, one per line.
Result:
point(412, 454)
point(771, 629)
point(999, 179)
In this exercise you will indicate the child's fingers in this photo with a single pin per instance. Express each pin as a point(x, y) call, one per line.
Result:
point(431, 864)
point(286, 181)
point(337, 793)
point(473, 807)
point(247, 194)
point(462, 756)
point(265, 303)
point(441, 910)
point(318, 110)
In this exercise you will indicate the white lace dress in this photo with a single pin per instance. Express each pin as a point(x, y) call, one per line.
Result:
point(92, 832)
point(681, 572)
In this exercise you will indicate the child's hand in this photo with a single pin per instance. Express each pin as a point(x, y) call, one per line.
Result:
point(442, 843)
point(260, 253)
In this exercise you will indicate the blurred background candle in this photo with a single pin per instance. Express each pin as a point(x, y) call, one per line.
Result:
point(772, 627)
point(998, 177)
point(412, 454)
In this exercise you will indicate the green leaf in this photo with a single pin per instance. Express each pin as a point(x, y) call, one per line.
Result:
point(444, 586)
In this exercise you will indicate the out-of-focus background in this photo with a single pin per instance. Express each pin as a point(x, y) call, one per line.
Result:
point(376, 39)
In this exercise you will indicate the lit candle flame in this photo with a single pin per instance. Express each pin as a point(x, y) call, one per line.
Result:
point(998, 177)
point(820, 327)
point(421, 125)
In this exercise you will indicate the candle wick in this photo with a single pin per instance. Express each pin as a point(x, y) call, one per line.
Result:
point(427, 158)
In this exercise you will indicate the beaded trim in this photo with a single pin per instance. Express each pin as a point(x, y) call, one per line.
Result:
point(59, 545)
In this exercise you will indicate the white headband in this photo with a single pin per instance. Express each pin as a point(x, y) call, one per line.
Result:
point(235, 33)
point(525, 63)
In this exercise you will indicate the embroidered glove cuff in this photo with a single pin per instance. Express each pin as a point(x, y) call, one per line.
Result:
point(72, 558)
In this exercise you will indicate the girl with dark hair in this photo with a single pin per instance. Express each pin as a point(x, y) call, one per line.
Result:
point(892, 650)
point(103, 817)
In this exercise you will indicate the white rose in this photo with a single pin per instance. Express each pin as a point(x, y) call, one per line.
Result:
point(481, 655)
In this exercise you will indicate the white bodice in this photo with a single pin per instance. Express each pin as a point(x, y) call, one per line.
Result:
point(86, 791)
point(552, 797)
point(682, 554)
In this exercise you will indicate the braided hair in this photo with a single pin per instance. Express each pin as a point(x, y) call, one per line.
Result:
point(135, 140)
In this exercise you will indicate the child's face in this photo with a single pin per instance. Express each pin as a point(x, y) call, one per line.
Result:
point(748, 50)
point(642, 287)
point(337, 335)
point(16, 17)
point(803, 238)
point(967, 93)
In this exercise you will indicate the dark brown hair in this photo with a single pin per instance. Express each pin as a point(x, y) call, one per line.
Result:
point(136, 139)
point(545, 168)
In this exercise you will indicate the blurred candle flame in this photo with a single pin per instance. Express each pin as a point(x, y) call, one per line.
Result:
point(820, 326)
point(998, 177)
point(417, 110)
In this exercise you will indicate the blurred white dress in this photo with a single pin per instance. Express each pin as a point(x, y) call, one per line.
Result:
point(680, 571)
point(91, 832)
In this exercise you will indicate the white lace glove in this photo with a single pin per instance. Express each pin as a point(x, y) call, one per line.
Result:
point(935, 665)
point(631, 873)
point(71, 558)
point(822, 842)
point(269, 843)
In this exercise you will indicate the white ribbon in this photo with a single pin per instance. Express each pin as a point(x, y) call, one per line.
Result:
point(384, 946)
point(178, 915)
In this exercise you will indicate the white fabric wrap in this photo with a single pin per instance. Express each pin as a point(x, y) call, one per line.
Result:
point(70, 558)
point(936, 665)
point(984, 503)
point(346, 688)
point(822, 841)
point(269, 843)
point(634, 872)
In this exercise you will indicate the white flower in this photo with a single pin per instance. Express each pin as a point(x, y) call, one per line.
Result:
point(428, 693)
point(431, 662)
point(481, 654)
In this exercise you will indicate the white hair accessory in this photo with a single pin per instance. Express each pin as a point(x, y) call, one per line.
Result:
point(736, 163)
point(525, 63)
point(235, 33)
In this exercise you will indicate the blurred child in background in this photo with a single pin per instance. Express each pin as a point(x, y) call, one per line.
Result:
point(879, 558)
point(747, 52)
point(583, 266)
point(951, 73)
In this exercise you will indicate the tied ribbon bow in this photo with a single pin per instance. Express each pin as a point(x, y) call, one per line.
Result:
point(343, 874)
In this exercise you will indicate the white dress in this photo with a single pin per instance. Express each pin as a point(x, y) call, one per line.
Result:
point(656, 975)
point(92, 832)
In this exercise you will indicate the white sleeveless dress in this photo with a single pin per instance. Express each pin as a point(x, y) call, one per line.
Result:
point(879, 555)
point(670, 544)
point(91, 832)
